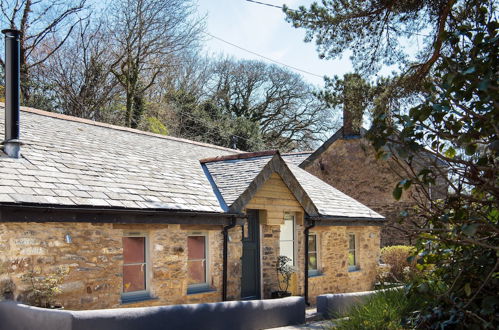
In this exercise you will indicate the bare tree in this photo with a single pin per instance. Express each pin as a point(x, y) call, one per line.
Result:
point(45, 26)
point(146, 34)
point(289, 114)
point(80, 74)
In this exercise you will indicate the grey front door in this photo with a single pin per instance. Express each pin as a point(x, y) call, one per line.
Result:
point(250, 282)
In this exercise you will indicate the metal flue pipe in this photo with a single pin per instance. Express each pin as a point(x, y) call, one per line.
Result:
point(12, 144)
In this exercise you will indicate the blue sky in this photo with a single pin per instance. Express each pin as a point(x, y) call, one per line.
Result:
point(263, 30)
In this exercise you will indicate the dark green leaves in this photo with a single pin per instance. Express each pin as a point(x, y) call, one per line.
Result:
point(470, 149)
point(397, 192)
point(470, 229)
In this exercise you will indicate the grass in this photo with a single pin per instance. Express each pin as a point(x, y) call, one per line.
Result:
point(388, 310)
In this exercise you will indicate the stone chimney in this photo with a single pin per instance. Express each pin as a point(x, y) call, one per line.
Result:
point(353, 104)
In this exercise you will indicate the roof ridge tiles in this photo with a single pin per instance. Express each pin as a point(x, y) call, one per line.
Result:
point(297, 153)
point(245, 155)
point(119, 128)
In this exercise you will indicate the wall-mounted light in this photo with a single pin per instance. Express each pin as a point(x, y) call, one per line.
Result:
point(68, 238)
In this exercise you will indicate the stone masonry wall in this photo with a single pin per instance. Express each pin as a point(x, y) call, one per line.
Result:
point(333, 256)
point(350, 166)
point(270, 252)
point(94, 261)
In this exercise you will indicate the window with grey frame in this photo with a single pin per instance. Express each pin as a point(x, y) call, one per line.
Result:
point(197, 263)
point(353, 262)
point(313, 254)
point(134, 284)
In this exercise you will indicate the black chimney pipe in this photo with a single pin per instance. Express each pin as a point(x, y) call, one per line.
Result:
point(12, 144)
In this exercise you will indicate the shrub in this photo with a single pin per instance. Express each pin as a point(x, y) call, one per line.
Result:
point(397, 257)
point(43, 288)
point(284, 271)
point(388, 309)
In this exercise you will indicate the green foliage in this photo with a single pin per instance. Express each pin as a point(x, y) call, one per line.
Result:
point(383, 34)
point(42, 288)
point(154, 125)
point(385, 310)
point(350, 93)
point(401, 266)
point(456, 129)
point(207, 122)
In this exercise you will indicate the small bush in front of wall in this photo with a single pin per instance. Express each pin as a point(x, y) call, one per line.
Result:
point(387, 309)
point(7, 288)
point(42, 288)
point(284, 273)
point(397, 257)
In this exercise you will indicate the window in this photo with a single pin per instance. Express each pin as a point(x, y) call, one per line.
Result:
point(352, 253)
point(134, 268)
point(287, 238)
point(313, 255)
point(197, 263)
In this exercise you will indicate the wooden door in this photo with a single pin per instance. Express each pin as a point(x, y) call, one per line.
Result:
point(250, 281)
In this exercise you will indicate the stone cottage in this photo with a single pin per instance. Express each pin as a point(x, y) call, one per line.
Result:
point(347, 161)
point(130, 218)
point(139, 219)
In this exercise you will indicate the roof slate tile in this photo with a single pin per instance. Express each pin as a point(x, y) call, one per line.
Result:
point(87, 163)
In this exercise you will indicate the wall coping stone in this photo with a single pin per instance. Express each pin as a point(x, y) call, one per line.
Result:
point(254, 314)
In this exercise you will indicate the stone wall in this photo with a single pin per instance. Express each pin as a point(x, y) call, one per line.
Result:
point(270, 252)
point(333, 256)
point(94, 261)
point(350, 166)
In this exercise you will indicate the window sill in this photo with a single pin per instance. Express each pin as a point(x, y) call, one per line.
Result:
point(136, 298)
point(200, 289)
point(315, 274)
point(354, 270)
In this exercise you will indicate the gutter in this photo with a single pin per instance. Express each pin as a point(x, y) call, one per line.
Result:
point(344, 218)
point(306, 232)
point(15, 212)
point(103, 209)
point(225, 257)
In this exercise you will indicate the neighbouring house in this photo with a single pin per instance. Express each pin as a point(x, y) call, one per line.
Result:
point(348, 162)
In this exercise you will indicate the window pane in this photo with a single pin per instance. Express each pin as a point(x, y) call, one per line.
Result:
point(134, 278)
point(196, 247)
point(351, 242)
point(133, 250)
point(312, 261)
point(351, 258)
point(287, 250)
point(196, 272)
point(312, 243)
point(287, 230)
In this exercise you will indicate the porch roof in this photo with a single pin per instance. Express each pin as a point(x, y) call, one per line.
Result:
point(237, 178)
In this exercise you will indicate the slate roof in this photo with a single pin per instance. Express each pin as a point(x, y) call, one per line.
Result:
point(232, 177)
point(235, 176)
point(68, 161)
point(71, 161)
point(329, 201)
point(296, 158)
